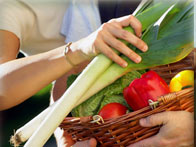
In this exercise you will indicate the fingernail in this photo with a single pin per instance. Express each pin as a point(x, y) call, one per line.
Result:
point(142, 121)
point(145, 48)
point(140, 35)
point(125, 64)
point(138, 59)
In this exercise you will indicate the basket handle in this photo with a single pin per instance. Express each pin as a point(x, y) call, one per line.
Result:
point(170, 97)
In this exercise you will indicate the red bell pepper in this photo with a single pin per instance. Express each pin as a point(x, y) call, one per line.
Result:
point(149, 86)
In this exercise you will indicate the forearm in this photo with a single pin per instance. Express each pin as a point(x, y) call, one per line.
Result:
point(21, 78)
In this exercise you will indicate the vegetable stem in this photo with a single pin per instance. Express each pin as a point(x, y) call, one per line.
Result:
point(67, 102)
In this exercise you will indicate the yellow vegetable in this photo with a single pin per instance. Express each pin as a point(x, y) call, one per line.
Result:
point(184, 78)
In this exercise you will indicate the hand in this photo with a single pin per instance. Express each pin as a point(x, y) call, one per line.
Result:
point(106, 38)
point(177, 130)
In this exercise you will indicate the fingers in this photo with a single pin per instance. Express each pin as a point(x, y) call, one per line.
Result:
point(133, 22)
point(129, 37)
point(106, 50)
point(113, 42)
point(107, 39)
point(155, 119)
point(149, 142)
point(92, 142)
point(63, 138)
point(67, 139)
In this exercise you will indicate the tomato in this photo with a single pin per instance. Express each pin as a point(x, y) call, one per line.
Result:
point(112, 110)
point(182, 79)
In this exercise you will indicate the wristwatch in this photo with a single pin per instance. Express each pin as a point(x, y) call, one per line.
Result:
point(67, 52)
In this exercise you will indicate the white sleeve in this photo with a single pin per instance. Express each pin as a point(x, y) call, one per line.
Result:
point(17, 18)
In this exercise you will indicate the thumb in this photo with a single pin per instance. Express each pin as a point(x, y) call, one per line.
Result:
point(154, 120)
point(92, 142)
point(149, 142)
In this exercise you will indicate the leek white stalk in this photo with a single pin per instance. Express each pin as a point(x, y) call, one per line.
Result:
point(67, 102)
point(25, 132)
point(107, 78)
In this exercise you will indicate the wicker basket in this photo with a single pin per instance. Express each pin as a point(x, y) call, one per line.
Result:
point(125, 130)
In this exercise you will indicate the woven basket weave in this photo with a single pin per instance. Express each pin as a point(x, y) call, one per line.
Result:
point(125, 130)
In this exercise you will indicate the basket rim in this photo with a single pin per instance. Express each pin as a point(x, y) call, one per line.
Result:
point(172, 95)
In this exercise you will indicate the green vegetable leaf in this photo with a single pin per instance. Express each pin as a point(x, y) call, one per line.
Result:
point(93, 104)
point(114, 99)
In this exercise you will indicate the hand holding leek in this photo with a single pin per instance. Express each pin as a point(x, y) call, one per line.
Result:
point(107, 37)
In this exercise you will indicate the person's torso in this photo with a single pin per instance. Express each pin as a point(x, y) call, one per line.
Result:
point(45, 33)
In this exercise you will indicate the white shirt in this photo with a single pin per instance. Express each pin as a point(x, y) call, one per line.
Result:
point(37, 23)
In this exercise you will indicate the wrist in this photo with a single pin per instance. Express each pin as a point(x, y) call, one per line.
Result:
point(73, 55)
